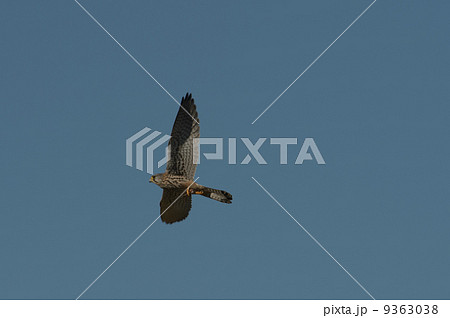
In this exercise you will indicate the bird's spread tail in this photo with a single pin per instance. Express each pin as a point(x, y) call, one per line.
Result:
point(218, 195)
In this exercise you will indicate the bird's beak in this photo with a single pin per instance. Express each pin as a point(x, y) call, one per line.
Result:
point(151, 179)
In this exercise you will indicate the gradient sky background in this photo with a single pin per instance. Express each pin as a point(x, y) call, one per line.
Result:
point(377, 105)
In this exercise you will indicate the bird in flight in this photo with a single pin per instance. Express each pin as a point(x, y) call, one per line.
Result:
point(178, 181)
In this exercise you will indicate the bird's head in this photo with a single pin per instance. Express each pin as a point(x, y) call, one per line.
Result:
point(156, 178)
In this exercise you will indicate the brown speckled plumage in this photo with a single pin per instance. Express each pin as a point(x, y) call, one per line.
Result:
point(176, 200)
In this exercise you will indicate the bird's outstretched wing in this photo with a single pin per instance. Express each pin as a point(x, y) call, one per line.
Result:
point(181, 147)
point(174, 205)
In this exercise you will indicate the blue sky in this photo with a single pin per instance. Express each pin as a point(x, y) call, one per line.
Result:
point(376, 104)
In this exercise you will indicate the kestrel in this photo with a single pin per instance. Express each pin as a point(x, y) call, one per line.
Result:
point(178, 181)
